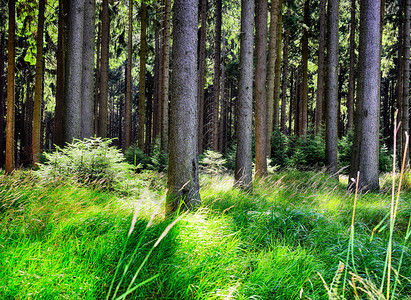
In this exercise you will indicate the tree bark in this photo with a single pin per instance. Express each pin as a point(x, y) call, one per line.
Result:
point(104, 69)
point(38, 86)
point(320, 77)
point(183, 181)
point(217, 72)
point(260, 89)
point(406, 78)
point(365, 156)
point(156, 100)
point(142, 91)
point(272, 57)
point(58, 138)
point(165, 77)
point(304, 84)
point(277, 82)
point(243, 167)
point(2, 103)
point(332, 88)
point(284, 88)
point(127, 121)
point(351, 76)
point(97, 83)
point(87, 84)
point(73, 76)
point(10, 122)
point(201, 74)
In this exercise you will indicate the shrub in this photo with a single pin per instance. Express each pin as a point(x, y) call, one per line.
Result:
point(212, 163)
point(279, 143)
point(307, 153)
point(157, 161)
point(89, 160)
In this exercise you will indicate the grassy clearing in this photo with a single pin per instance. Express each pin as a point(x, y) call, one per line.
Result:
point(64, 241)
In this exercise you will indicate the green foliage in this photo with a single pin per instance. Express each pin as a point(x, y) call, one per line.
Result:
point(66, 241)
point(297, 152)
point(157, 161)
point(345, 146)
point(279, 146)
point(212, 163)
point(88, 161)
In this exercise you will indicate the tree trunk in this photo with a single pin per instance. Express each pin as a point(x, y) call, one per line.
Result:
point(277, 83)
point(73, 76)
point(10, 123)
point(243, 166)
point(201, 74)
point(365, 154)
point(406, 77)
point(127, 125)
point(38, 87)
point(217, 72)
point(351, 76)
point(2, 49)
point(304, 84)
point(156, 100)
point(332, 88)
point(284, 88)
point(142, 91)
point(222, 120)
point(320, 77)
point(260, 89)
point(104, 68)
point(272, 56)
point(58, 138)
point(97, 83)
point(165, 76)
point(87, 84)
point(183, 181)
point(149, 114)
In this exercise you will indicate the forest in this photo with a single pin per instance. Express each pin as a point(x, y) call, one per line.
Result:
point(205, 149)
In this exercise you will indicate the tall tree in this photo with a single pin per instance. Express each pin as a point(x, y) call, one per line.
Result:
point(74, 69)
point(304, 84)
point(58, 138)
point(277, 82)
point(351, 76)
point(10, 123)
point(2, 49)
point(201, 74)
point(320, 77)
point(105, 35)
point(332, 87)
point(260, 89)
point(183, 182)
point(243, 166)
point(217, 72)
point(405, 101)
point(165, 62)
point(142, 90)
point(365, 155)
point(127, 121)
point(87, 84)
point(285, 75)
point(38, 86)
point(272, 56)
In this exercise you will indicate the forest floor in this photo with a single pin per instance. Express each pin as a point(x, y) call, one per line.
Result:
point(285, 240)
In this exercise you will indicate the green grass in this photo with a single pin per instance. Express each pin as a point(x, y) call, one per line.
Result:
point(60, 240)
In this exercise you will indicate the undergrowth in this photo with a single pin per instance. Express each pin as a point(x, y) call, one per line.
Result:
point(65, 240)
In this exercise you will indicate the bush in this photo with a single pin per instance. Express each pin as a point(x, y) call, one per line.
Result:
point(212, 163)
point(89, 160)
point(279, 142)
point(157, 161)
point(307, 153)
